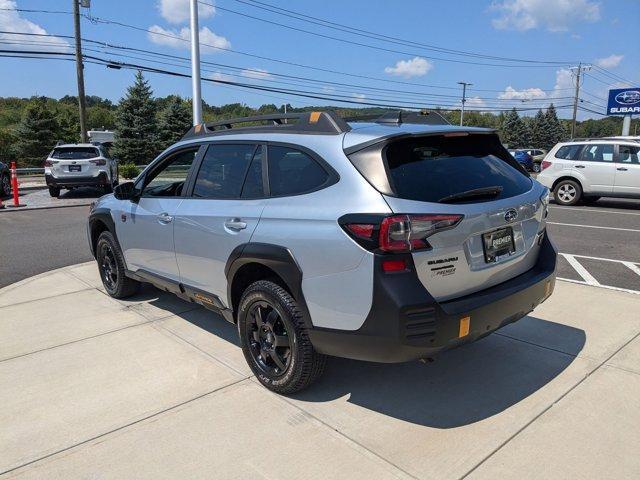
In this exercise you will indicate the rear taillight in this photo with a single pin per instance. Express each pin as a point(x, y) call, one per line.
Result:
point(399, 233)
point(48, 163)
point(100, 162)
point(544, 164)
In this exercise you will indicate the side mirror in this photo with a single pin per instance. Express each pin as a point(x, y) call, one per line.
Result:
point(126, 191)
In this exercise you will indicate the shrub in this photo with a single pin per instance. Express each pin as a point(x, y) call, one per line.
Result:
point(129, 170)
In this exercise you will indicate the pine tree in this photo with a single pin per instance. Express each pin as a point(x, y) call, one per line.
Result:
point(36, 133)
point(513, 130)
point(173, 122)
point(537, 130)
point(136, 124)
point(553, 129)
point(69, 125)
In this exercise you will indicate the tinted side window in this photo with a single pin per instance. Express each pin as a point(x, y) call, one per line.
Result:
point(597, 153)
point(253, 186)
point(629, 154)
point(169, 179)
point(223, 170)
point(568, 152)
point(292, 172)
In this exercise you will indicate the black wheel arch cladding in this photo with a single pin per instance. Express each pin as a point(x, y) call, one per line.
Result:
point(276, 258)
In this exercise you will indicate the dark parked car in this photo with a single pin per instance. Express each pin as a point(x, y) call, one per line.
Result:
point(5, 180)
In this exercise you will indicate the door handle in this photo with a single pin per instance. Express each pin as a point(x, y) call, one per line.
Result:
point(164, 218)
point(235, 224)
point(579, 166)
point(622, 169)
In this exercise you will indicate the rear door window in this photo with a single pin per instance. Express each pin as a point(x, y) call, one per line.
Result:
point(568, 152)
point(223, 171)
point(628, 154)
point(292, 172)
point(597, 153)
point(432, 168)
point(75, 153)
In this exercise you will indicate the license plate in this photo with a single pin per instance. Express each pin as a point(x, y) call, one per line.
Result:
point(75, 168)
point(497, 244)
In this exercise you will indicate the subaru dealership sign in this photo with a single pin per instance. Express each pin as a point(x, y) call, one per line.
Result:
point(624, 101)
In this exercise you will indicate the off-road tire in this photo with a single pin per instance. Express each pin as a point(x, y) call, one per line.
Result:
point(567, 186)
point(306, 365)
point(123, 286)
point(5, 185)
point(54, 192)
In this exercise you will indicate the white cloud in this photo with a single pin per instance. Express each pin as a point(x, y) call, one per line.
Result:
point(177, 11)
point(416, 67)
point(181, 39)
point(221, 76)
point(328, 89)
point(554, 15)
point(475, 103)
point(511, 93)
point(359, 97)
point(564, 83)
point(609, 62)
point(256, 73)
point(11, 21)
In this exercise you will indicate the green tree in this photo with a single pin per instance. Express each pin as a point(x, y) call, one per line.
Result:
point(68, 124)
point(7, 141)
point(513, 131)
point(553, 131)
point(173, 122)
point(537, 130)
point(136, 131)
point(36, 134)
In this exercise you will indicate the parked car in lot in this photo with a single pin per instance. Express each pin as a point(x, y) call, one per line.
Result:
point(523, 158)
point(537, 154)
point(80, 165)
point(587, 170)
point(383, 242)
point(5, 180)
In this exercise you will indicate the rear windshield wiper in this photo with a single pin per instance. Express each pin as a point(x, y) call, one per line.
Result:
point(486, 192)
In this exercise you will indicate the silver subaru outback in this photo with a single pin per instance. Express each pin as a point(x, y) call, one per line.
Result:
point(385, 241)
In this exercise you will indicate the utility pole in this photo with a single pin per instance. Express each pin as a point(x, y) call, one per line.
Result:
point(80, 72)
point(578, 73)
point(464, 98)
point(195, 65)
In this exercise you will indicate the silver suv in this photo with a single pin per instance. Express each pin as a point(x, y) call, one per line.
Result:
point(80, 165)
point(587, 170)
point(385, 242)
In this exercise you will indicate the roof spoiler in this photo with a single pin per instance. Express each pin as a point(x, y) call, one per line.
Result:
point(328, 123)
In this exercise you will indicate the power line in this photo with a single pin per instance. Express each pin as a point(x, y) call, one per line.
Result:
point(365, 45)
point(374, 35)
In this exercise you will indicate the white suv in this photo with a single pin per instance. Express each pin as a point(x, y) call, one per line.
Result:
point(80, 165)
point(590, 169)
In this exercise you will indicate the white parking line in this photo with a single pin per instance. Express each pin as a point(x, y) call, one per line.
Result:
point(594, 226)
point(608, 287)
point(586, 276)
point(633, 267)
point(580, 209)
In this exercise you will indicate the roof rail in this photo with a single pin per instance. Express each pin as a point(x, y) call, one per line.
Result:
point(423, 117)
point(327, 123)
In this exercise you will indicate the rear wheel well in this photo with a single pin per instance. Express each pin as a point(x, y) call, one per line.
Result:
point(248, 274)
point(97, 227)
point(555, 184)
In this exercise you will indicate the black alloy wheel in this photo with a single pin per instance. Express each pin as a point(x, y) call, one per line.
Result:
point(268, 339)
point(107, 266)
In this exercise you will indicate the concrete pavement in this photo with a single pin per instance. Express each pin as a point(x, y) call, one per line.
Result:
point(155, 387)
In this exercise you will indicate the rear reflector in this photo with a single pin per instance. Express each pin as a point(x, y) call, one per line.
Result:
point(100, 162)
point(544, 164)
point(394, 265)
point(465, 324)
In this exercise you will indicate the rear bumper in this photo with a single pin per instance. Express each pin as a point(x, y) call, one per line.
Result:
point(84, 181)
point(407, 323)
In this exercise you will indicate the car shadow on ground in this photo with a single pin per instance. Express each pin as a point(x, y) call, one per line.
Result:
point(82, 192)
point(461, 387)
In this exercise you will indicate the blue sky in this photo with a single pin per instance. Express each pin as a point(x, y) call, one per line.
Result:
point(597, 32)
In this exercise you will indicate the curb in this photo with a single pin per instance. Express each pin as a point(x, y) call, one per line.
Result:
point(51, 207)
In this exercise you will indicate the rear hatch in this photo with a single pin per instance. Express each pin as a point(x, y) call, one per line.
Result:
point(75, 161)
point(493, 211)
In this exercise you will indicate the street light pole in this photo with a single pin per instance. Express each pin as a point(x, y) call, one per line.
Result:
point(464, 98)
point(195, 64)
point(80, 72)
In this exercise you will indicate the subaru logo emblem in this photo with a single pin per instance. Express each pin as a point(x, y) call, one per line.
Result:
point(628, 97)
point(510, 215)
